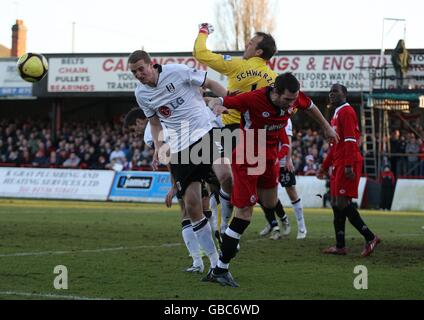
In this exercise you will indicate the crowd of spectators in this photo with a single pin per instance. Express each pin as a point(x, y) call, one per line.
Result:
point(99, 145)
point(90, 145)
point(412, 145)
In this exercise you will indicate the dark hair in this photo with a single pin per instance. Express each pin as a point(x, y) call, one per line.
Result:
point(286, 81)
point(132, 116)
point(139, 55)
point(342, 87)
point(267, 45)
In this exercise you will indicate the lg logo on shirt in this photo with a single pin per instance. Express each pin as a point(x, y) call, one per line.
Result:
point(166, 111)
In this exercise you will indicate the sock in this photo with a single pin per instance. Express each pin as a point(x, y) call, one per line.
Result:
point(226, 209)
point(203, 232)
point(355, 219)
point(339, 227)
point(191, 242)
point(298, 211)
point(214, 208)
point(230, 241)
point(270, 216)
point(279, 210)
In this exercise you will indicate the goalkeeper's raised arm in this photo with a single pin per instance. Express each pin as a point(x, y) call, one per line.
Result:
point(220, 63)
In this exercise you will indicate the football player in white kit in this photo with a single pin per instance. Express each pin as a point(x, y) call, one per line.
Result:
point(170, 94)
point(137, 124)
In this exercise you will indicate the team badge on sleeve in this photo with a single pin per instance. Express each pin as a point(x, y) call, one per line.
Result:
point(227, 57)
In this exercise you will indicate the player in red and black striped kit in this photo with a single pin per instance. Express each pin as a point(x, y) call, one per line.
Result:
point(346, 161)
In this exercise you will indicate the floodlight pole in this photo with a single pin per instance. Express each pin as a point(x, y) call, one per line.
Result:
point(16, 4)
point(396, 20)
point(73, 37)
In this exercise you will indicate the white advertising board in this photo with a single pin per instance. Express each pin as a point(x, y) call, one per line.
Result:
point(316, 72)
point(310, 190)
point(104, 74)
point(409, 195)
point(55, 183)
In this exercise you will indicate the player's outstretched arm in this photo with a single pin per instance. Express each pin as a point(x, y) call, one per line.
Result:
point(216, 106)
point(329, 132)
point(215, 87)
point(221, 63)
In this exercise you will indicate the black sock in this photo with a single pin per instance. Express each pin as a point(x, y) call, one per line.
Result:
point(279, 210)
point(207, 213)
point(339, 227)
point(230, 242)
point(270, 216)
point(355, 219)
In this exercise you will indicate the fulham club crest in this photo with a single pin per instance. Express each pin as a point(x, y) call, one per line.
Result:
point(170, 87)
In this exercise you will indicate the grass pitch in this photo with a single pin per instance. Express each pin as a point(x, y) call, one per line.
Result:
point(135, 251)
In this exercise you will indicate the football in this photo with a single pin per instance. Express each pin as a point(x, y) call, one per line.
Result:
point(32, 67)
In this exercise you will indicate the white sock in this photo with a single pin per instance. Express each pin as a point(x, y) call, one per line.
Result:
point(192, 243)
point(214, 208)
point(226, 209)
point(298, 211)
point(203, 231)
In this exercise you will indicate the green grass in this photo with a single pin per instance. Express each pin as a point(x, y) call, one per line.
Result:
point(147, 268)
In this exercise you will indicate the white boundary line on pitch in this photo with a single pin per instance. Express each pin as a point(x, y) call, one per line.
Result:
point(46, 253)
point(47, 295)
point(165, 245)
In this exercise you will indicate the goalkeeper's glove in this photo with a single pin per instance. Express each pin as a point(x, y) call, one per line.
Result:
point(206, 28)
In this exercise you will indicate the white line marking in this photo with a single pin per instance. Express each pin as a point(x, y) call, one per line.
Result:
point(165, 245)
point(47, 295)
point(46, 253)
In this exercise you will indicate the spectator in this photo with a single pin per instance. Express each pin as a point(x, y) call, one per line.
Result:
point(53, 160)
point(25, 156)
point(72, 162)
point(412, 148)
point(311, 167)
point(387, 180)
point(100, 163)
point(402, 162)
point(117, 155)
point(13, 155)
point(3, 151)
point(400, 61)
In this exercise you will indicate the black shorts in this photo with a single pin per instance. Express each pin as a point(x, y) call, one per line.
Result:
point(212, 179)
point(205, 192)
point(185, 169)
point(287, 178)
